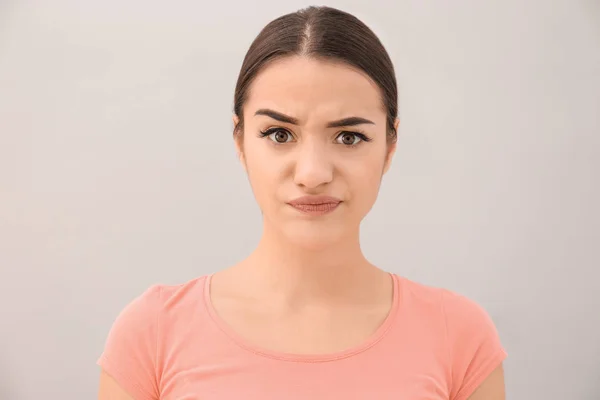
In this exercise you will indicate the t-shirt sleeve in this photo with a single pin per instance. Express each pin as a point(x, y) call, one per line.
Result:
point(475, 347)
point(129, 355)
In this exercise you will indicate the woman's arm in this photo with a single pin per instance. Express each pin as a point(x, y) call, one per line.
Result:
point(110, 389)
point(128, 362)
point(492, 387)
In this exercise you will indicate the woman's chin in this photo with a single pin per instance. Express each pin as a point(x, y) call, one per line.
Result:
point(314, 238)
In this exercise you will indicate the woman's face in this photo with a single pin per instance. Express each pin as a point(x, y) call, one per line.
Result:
point(296, 144)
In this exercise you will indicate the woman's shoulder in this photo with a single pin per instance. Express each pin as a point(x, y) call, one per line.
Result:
point(451, 303)
point(471, 339)
point(161, 298)
point(464, 320)
point(138, 321)
point(130, 350)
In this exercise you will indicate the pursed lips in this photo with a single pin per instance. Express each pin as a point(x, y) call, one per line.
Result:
point(315, 205)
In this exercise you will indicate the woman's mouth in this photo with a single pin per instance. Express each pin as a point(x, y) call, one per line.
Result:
point(315, 205)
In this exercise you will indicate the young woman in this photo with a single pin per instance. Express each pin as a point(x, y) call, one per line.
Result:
point(306, 316)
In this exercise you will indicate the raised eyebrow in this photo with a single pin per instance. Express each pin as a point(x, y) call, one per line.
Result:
point(349, 121)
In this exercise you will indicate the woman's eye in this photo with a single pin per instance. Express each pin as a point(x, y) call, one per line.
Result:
point(280, 136)
point(348, 138)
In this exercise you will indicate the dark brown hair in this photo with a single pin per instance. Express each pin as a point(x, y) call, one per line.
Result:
point(323, 33)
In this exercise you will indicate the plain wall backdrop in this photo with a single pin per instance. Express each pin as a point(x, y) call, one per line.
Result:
point(118, 171)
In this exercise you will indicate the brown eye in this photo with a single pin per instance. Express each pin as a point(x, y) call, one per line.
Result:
point(348, 138)
point(279, 136)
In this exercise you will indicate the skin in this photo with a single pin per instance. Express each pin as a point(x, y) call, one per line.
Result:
point(309, 271)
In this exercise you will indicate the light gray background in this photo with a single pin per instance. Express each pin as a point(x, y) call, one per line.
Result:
point(117, 171)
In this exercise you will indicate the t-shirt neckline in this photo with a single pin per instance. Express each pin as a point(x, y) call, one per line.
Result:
point(371, 341)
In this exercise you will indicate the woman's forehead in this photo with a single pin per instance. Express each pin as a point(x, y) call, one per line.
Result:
point(301, 85)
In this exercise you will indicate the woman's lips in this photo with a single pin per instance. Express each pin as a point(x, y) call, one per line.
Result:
point(315, 205)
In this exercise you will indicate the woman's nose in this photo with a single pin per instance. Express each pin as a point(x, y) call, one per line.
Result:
point(313, 167)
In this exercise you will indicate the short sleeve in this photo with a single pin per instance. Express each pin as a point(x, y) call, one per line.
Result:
point(475, 347)
point(129, 355)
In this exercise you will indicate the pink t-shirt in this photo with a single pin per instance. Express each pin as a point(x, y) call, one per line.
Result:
point(170, 344)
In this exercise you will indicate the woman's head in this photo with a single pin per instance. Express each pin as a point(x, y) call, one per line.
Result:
point(315, 113)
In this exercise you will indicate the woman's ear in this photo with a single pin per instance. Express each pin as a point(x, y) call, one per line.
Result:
point(238, 139)
point(391, 149)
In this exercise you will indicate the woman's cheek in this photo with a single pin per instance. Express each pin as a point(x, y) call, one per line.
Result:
point(264, 181)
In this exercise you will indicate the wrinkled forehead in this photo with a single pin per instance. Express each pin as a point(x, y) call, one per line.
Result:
point(315, 91)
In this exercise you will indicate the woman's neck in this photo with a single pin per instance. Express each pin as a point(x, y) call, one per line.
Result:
point(296, 275)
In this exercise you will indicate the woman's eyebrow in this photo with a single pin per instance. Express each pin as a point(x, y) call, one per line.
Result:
point(277, 116)
point(349, 121)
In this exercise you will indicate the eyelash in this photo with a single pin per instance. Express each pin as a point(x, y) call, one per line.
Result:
point(360, 135)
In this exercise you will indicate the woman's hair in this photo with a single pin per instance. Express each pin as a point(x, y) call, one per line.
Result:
point(321, 33)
